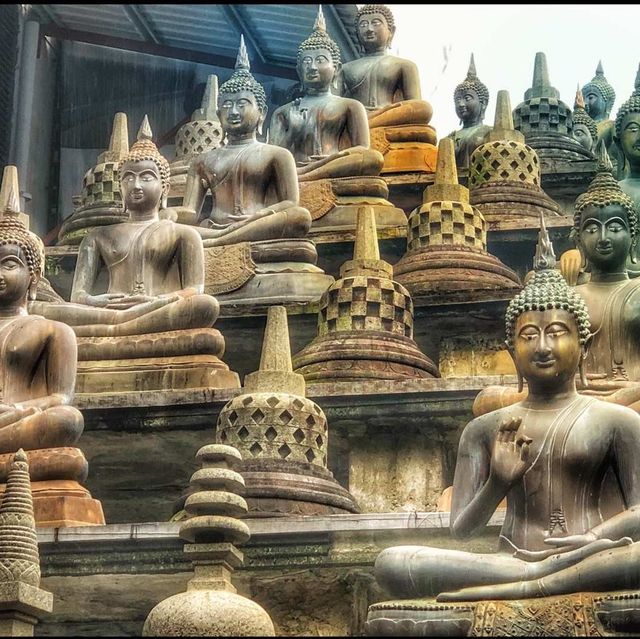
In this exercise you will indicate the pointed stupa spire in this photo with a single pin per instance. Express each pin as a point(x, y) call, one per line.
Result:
point(10, 191)
point(242, 60)
point(276, 372)
point(471, 72)
point(320, 24)
point(503, 128)
point(541, 85)
point(145, 132)
point(366, 245)
point(446, 185)
point(210, 98)
point(544, 258)
point(119, 141)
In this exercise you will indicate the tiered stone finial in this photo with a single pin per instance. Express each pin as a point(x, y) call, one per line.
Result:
point(211, 606)
point(21, 598)
point(545, 120)
point(365, 324)
point(282, 436)
point(101, 201)
point(447, 243)
point(504, 174)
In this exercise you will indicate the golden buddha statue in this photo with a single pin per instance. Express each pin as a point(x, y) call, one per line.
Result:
point(566, 464)
point(254, 237)
point(471, 98)
point(158, 320)
point(37, 373)
point(328, 136)
point(389, 88)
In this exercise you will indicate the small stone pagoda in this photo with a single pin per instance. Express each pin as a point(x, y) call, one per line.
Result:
point(365, 324)
point(446, 258)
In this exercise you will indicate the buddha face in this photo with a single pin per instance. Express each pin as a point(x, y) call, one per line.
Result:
point(316, 68)
point(594, 104)
point(469, 108)
point(630, 138)
point(374, 32)
point(239, 113)
point(605, 237)
point(546, 346)
point(15, 278)
point(582, 134)
point(141, 185)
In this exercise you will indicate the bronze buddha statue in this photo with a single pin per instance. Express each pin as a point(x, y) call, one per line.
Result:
point(584, 130)
point(627, 140)
point(328, 136)
point(565, 462)
point(389, 88)
point(471, 98)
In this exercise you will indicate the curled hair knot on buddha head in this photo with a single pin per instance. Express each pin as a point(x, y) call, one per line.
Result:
point(243, 80)
point(319, 39)
point(370, 9)
point(472, 82)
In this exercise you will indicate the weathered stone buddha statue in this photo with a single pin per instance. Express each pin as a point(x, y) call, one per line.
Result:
point(365, 323)
point(328, 136)
point(389, 88)
point(37, 376)
point(546, 121)
point(254, 238)
point(599, 97)
point(470, 98)
point(156, 275)
point(504, 175)
point(566, 464)
point(100, 202)
point(447, 258)
point(585, 130)
point(627, 139)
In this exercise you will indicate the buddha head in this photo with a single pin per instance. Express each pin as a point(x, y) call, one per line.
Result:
point(471, 98)
point(375, 27)
point(318, 57)
point(599, 96)
point(584, 130)
point(21, 257)
point(605, 221)
point(144, 175)
point(547, 325)
point(242, 101)
point(627, 134)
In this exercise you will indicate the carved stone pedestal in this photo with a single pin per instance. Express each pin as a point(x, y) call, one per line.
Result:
point(577, 615)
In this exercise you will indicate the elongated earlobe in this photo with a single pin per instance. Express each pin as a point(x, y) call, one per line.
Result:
point(520, 382)
point(583, 376)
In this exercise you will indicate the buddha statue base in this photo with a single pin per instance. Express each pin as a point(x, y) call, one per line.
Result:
point(362, 355)
point(408, 148)
point(86, 218)
point(59, 500)
point(334, 203)
point(581, 614)
point(268, 272)
point(448, 273)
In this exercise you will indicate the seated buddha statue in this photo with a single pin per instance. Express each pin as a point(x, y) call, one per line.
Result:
point(389, 88)
point(37, 373)
point(328, 136)
point(627, 140)
point(584, 130)
point(471, 98)
point(566, 464)
point(255, 195)
point(155, 284)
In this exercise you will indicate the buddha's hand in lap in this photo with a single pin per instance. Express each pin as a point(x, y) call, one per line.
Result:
point(10, 414)
point(510, 456)
point(570, 266)
point(182, 213)
point(587, 543)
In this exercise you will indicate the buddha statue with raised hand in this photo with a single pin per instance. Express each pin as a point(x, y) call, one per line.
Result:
point(156, 273)
point(254, 188)
point(389, 88)
point(37, 377)
point(566, 464)
point(328, 136)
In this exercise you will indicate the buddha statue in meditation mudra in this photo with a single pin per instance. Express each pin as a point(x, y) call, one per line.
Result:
point(328, 136)
point(389, 88)
point(37, 376)
point(566, 463)
point(157, 330)
point(256, 221)
point(471, 98)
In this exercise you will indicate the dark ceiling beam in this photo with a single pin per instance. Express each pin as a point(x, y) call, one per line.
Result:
point(237, 22)
point(140, 23)
point(342, 30)
point(227, 62)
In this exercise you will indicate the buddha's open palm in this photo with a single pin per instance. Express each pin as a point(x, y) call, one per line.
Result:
point(510, 456)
